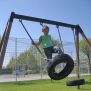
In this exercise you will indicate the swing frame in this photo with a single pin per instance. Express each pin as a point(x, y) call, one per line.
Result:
point(76, 28)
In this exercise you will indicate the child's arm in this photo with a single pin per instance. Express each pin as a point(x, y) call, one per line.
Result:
point(39, 42)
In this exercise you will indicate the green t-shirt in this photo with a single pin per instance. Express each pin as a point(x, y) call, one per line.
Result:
point(46, 41)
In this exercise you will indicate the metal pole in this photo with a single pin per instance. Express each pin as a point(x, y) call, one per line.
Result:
point(77, 54)
point(16, 57)
point(4, 42)
point(41, 67)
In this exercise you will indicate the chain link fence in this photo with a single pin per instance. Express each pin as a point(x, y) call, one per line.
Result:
point(23, 62)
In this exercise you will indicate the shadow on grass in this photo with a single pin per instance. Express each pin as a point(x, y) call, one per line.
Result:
point(23, 83)
point(85, 89)
point(87, 83)
point(32, 82)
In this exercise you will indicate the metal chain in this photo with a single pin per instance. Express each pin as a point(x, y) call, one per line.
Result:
point(60, 39)
point(30, 36)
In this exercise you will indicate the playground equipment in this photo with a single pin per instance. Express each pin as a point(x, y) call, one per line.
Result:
point(63, 58)
point(75, 82)
point(75, 28)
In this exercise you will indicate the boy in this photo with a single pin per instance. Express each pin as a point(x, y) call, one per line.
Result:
point(46, 42)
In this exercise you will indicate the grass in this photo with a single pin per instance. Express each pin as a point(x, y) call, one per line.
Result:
point(44, 85)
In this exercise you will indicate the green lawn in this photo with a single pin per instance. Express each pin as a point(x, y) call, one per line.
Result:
point(44, 85)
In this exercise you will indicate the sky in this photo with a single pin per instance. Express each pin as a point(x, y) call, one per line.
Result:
point(66, 11)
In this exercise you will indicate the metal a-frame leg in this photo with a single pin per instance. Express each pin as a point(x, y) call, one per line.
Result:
point(4, 41)
point(77, 54)
point(77, 31)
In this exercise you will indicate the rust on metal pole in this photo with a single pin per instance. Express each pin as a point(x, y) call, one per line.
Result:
point(1, 42)
point(4, 42)
point(77, 54)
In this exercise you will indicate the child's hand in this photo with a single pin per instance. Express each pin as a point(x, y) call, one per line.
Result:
point(33, 43)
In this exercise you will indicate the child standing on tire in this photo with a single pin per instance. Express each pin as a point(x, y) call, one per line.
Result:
point(46, 42)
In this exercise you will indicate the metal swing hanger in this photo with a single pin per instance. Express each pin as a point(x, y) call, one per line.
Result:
point(62, 49)
point(41, 24)
point(30, 36)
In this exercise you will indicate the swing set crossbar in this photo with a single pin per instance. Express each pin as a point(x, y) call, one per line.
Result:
point(29, 18)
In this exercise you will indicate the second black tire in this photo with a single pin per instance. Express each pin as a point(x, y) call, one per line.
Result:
point(75, 82)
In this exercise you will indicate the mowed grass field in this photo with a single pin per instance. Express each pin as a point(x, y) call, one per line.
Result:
point(44, 85)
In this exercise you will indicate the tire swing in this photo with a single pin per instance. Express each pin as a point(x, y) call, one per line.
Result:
point(58, 59)
point(63, 58)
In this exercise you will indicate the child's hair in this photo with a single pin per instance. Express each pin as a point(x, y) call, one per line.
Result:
point(45, 27)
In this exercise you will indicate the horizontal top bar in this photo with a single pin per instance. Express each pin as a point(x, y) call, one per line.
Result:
point(29, 18)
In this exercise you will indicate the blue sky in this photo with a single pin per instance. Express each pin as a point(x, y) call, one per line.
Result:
point(67, 11)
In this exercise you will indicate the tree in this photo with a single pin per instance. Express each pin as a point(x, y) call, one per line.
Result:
point(85, 50)
point(24, 58)
point(31, 57)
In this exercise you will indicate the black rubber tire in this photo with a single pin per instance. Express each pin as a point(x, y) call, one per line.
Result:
point(75, 82)
point(63, 58)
